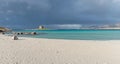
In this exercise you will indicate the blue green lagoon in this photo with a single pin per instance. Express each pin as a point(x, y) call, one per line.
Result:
point(82, 34)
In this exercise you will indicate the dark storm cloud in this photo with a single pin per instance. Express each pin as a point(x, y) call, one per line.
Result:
point(27, 13)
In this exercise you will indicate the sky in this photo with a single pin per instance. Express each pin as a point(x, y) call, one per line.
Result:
point(60, 13)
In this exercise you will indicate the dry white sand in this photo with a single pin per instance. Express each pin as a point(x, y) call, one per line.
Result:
point(53, 51)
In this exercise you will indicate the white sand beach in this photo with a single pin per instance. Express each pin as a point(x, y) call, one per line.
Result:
point(55, 51)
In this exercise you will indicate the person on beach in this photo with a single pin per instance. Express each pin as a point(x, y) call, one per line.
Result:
point(15, 37)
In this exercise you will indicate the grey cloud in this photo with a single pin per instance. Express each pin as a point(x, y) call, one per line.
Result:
point(36, 12)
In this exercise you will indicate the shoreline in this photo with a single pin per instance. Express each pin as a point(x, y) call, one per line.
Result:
point(22, 37)
point(57, 51)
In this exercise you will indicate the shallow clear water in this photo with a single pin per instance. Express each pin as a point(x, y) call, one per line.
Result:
point(75, 34)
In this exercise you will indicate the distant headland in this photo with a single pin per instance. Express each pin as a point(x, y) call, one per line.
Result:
point(79, 26)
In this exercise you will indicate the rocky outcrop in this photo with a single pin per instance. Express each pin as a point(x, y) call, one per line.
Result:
point(3, 29)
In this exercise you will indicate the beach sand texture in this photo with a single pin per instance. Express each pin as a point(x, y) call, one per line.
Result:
point(54, 51)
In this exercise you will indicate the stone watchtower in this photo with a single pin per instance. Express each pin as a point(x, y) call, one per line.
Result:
point(41, 27)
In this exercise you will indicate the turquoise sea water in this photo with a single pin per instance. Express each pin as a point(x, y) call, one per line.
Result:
point(75, 34)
